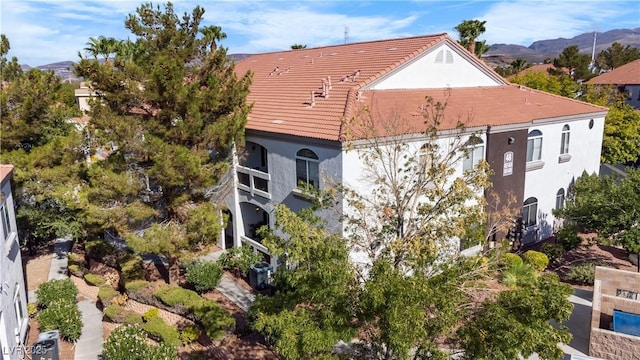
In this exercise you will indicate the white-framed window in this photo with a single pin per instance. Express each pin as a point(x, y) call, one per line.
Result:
point(17, 303)
point(564, 143)
point(425, 156)
point(307, 168)
point(530, 212)
point(560, 199)
point(474, 155)
point(6, 221)
point(534, 145)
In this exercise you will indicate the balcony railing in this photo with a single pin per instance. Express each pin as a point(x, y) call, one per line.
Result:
point(256, 245)
point(254, 181)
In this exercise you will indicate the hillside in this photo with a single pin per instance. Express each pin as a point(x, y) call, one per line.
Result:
point(542, 49)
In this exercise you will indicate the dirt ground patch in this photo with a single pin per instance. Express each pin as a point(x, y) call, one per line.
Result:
point(36, 270)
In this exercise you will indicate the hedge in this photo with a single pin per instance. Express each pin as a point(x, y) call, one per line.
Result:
point(510, 259)
point(118, 314)
point(156, 327)
point(94, 279)
point(536, 259)
point(174, 295)
point(106, 293)
point(64, 315)
point(53, 290)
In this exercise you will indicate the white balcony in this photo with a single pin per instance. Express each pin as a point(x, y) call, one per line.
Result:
point(254, 181)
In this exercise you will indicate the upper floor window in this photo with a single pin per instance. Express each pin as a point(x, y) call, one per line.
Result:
point(534, 145)
point(475, 153)
point(564, 143)
point(560, 199)
point(530, 212)
point(6, 221)
point(307, 171)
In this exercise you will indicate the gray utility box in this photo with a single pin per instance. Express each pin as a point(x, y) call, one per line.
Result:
point(47, 346)
point(259, 275)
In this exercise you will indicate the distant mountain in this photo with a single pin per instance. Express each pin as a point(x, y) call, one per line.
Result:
point(542, 49)
point(498, 55)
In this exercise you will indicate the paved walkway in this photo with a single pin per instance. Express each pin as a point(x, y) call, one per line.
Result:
point(230, 288)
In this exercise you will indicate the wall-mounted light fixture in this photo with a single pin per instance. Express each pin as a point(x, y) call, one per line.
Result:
point(511, 140)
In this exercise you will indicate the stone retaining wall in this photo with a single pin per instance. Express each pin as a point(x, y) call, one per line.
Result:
point(604, 343)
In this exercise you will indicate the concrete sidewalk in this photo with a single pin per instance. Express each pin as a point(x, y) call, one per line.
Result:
point(230, 288)
point(89, 345)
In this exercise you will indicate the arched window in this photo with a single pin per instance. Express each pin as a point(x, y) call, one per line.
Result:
point(564, 143)
point(307, 172)
point(530, 212)
point(534, 145)
point(560, 199)
point(475, 153)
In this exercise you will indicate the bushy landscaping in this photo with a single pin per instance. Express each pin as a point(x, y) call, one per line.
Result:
point(536, 259)
point(131, 339)
point(118, 314)
point(238, 260)
point(59, 309)
point(204, 275)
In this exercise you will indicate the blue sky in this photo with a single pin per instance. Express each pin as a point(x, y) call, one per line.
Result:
point(46, 31)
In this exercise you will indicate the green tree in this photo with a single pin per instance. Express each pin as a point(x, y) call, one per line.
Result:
point(9, 69)
point(616, 55)
point(514, 317)
point(167, 122)
point(577, 64)
point(105, 46)
point(469, 31)
point(555, 84)
point(481, 48)
point(621, 141)
point(314, 305)
point(298, 46)
point(213, 35)
point(518, 65)
point(609, 206)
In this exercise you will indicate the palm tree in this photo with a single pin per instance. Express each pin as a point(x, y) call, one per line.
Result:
point(481, 48)
point(298, 46)
point(101, 45)
point(127, 50)
point(518, 65)
point(469, 31)
point(213, 34)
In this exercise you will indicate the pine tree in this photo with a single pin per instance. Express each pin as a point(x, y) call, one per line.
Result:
point(164, 122)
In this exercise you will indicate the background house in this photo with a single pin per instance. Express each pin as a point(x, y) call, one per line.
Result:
point(14, 320)
point(626, 78)
point(296, 130)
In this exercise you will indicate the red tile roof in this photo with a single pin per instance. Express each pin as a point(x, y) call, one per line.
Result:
point(283, 83)
point(474, 107)
point(5, 171)
point(628, 74)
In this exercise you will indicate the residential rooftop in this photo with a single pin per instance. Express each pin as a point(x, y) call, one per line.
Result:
point(628, 74)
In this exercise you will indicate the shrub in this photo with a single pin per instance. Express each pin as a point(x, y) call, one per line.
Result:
point(239, 259)
point(510, 259)
point(120, 299)
point(106, 293)
point(94, 279)
point(98, 249)
point(75, 259)
point(32, 309)
point(150, 314)
point(77, 270)
point(215, 320)
point(553, 251)
point(118, 314)
point(131, 268)
point(156, 327)
point(568, 238)
point(174, 295)
point(204, 275)
point(135, 285)
point(536, 259)
point(53, 290)
point(64, 315)
point(518, 274)
point(584, 273)
point(127, 340)
point(189, 334)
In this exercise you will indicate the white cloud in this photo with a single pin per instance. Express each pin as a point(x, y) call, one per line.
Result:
point(523, 22)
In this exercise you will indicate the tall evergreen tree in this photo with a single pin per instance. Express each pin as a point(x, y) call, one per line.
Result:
point(616, 55)
point(164, 123)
